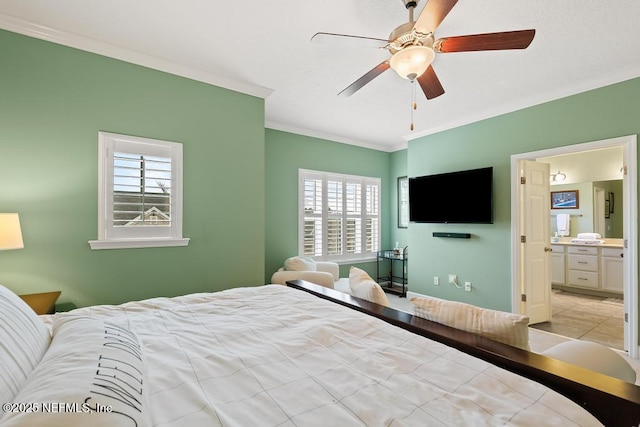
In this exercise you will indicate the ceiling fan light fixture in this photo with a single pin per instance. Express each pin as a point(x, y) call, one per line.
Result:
point(412, 61)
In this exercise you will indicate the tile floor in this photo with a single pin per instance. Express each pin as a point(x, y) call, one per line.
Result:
point(586, 317)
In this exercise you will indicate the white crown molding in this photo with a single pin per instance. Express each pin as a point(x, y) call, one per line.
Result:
point(538, 99)
point(330, 137)
point(20, 26)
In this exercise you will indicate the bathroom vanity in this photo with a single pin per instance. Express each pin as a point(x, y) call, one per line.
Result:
point(596, 268)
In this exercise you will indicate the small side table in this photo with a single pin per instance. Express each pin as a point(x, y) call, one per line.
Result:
point(393, 283)
point(42, 303)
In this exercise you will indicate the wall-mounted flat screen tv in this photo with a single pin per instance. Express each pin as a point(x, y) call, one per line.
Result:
point(463, 197)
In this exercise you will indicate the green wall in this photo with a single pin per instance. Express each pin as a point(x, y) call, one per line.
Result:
point(53, 102)
point(288, 152)
point(485, 260)
point(398, 169)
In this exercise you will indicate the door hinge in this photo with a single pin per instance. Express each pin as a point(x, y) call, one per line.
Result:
point(624, 170)
point(523, 239)
point(523, 180)
point(523, 297)
point(626, 318)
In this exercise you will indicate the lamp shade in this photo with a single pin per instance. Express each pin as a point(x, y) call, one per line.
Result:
point(10, 234)
point(412, 61)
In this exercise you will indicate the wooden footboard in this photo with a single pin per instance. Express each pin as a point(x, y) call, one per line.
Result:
point(613, 401)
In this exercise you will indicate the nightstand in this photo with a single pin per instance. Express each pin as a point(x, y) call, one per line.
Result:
point(42, 303)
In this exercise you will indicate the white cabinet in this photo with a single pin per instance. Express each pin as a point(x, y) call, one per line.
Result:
point(557, 264)
point(588, 267)
point(612, 269)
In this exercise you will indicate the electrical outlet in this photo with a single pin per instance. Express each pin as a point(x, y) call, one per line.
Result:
point(467, 286)
point(436, 280)
point(453, 279)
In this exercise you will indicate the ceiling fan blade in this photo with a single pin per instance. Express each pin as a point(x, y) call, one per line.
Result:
point(430, 84)
point(346, 40)
point(433, 14)
point(372, 74)
point(490, 41)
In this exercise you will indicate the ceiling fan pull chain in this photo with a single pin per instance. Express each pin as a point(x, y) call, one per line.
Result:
point(413, 100)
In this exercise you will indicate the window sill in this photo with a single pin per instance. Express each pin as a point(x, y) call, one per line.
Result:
point(345, 261)
point(137, 243)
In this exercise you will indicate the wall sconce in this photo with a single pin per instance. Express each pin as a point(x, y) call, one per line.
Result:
point(558, 177)
point(10, 233)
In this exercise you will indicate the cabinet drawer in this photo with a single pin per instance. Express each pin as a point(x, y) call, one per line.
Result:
point(612, 252)
point(557, 249)
point(586, 279)
point(583, 262)
point(583, 250)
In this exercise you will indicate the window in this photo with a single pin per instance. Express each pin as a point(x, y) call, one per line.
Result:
point(140, 193)
point(339, 216)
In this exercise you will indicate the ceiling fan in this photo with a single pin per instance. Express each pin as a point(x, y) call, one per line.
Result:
point(413, 46)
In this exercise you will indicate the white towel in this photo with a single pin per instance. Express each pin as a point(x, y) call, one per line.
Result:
point(588, 241)
point(589, 236)
point(563, 222)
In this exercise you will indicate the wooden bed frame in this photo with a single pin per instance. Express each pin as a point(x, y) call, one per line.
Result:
point(612, 401)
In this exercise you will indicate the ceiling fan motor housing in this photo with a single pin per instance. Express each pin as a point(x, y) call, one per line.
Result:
point(410, 3)
point(404, 36)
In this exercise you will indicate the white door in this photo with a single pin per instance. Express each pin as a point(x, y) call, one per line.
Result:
point(536, 245)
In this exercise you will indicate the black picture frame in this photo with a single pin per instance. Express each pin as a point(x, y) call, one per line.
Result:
point(403, 202)
point(611, 202)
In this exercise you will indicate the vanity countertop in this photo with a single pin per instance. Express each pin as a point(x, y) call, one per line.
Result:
point(608, 243)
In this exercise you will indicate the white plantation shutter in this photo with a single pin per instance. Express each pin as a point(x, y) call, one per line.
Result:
point(372, 204)
point(354, 217)
point(141, 190)
point(334, 231)
point(339, 216)
point(140, 200)
point(312, 216)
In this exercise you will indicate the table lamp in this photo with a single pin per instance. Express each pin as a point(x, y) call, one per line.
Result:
point(10, 234)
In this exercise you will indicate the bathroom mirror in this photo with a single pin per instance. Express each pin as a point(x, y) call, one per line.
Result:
point(600, 208)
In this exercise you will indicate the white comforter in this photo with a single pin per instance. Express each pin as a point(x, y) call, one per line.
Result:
point(275, 356)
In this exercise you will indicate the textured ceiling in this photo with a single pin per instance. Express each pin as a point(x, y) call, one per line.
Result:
point(263, 48)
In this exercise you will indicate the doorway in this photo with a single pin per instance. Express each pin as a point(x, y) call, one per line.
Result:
point(628, 144)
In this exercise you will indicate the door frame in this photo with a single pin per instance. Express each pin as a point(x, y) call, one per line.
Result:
point(630, 221)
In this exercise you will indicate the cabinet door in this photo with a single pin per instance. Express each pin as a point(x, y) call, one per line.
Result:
point(557, 268)
point(612, 274)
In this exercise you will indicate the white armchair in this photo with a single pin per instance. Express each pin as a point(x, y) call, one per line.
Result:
point(325, 273)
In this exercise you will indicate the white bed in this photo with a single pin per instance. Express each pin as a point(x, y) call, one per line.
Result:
point(266, 356)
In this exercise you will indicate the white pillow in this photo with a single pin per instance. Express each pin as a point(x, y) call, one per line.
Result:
point(363, 286)
point(508, 328)
point(357, 275)
point(23, 341)
point(90, 365)
point(299, 263)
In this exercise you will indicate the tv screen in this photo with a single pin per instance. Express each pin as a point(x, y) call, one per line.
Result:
point(463, 197)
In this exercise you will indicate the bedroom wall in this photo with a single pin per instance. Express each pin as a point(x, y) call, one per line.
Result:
point(53, 102)
point(485, 259)
point(288, 152)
